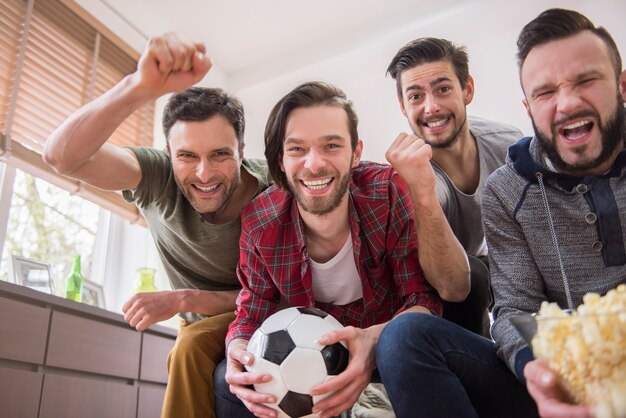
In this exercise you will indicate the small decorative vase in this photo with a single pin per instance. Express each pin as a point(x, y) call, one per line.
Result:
point(145, 280)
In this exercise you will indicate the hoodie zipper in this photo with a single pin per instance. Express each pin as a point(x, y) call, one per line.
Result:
point(568, 293)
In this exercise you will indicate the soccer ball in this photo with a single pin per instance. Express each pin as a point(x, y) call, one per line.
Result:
point(285, 346)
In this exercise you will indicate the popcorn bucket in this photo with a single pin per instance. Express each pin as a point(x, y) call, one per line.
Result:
point(587, 349)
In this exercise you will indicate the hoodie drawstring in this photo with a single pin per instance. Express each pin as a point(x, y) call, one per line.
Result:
point(568, 293)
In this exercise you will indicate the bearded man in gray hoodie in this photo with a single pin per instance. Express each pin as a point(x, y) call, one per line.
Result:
point(555, 215)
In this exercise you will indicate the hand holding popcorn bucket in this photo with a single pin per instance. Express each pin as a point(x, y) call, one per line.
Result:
point(586, 349)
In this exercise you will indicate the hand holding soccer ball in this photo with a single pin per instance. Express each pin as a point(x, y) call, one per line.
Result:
point(286, 347)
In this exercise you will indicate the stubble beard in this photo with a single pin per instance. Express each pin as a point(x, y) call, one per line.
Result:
point(321, 206)
point(219, 202)
point(450, 141)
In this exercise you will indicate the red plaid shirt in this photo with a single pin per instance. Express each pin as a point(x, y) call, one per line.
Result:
point(274, 264)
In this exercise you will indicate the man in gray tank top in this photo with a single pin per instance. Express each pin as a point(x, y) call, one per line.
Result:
point(191, 196)
point(446, 163)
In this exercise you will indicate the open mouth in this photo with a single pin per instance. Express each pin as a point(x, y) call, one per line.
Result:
point(437, 123)
point(208, 189)
point(577, 130)
point(320, 184)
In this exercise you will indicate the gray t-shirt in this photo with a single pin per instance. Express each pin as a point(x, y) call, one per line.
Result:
point(463, 210)
point(195, 253)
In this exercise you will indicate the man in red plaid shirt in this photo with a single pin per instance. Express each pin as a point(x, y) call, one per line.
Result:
point(335, 233)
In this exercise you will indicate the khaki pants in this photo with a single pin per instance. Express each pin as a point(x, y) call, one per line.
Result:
point(190, 365)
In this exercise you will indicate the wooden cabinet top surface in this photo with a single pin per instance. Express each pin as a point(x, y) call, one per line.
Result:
point(55, 303)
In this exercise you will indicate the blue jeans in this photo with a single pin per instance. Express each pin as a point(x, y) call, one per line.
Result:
point(434, 368)
point(227, 405)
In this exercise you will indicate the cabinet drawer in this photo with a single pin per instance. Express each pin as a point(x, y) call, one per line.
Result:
point(84, 344)
point(78, 397)
point(19, 392)
point(23, 331)
point(150, 401)
point(154, 351)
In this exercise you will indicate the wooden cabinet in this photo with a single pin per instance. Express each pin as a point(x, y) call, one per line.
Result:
point(153, 350)
point(150, 401)
point(60, 358)
point(93, 346)
point(19, 392)
point(23, 331)
point(75, 396)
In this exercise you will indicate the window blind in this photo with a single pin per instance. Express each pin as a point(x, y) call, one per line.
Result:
point(52, 61)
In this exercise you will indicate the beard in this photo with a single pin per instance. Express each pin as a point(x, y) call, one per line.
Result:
point(450, 140)
point(612, 134)
point(209, 206)
point(321, 205)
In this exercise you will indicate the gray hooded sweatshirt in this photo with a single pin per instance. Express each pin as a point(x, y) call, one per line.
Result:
point(551, 237)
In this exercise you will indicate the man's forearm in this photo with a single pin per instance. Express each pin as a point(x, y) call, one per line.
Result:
point(441, 255)
point(86, 130)
point(206, 302)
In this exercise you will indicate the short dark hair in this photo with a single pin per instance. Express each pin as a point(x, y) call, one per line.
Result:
point(555, 24)
point(308, 94)
point(198, 104)
point(425, 50)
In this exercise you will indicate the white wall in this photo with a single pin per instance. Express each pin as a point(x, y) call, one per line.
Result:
point(489, 31)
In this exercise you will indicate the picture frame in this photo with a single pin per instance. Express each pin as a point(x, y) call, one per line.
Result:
point(93, 294)
point(31, 273)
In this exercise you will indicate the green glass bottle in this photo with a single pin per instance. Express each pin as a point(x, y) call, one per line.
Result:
point(74, 282)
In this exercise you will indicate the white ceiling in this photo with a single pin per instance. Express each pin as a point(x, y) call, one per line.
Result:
point(247, 39)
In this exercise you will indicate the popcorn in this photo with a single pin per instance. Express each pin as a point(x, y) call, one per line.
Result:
point(587, 349)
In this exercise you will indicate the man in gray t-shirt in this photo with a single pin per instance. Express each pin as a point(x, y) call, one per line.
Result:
point(191, 196)
point(446, 163)
point(462, 209)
